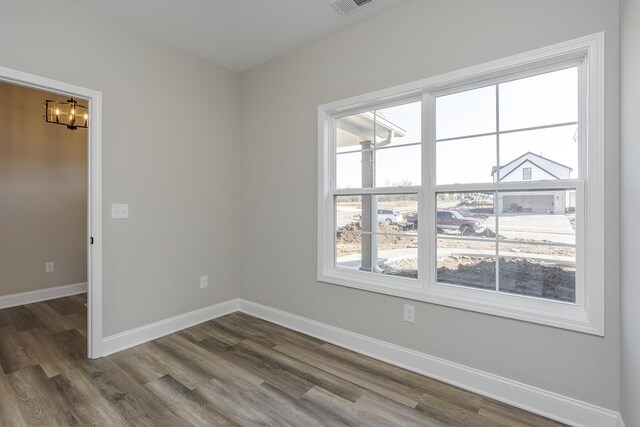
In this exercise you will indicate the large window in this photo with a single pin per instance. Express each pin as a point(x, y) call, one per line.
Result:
point(481, 189)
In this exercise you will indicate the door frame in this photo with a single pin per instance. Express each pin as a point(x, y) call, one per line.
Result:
point(94, 196)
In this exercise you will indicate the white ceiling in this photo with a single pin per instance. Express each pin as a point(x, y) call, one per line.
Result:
point(236, 34)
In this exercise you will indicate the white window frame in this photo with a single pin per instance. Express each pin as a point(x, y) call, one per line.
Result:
point(587, 313)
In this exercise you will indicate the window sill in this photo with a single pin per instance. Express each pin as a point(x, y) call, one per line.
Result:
point(556, 314)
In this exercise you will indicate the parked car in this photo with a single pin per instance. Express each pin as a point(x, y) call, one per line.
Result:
point(452, 220)
point(390, 216)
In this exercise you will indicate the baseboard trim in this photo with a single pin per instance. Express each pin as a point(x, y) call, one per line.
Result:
point(620, 421)
point(552, 405)
point(127, 339)
point(30, 297)
point(561, 408)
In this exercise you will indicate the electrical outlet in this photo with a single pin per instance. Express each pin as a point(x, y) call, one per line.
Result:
point(119, 211)
point(204, 282)
point(409, 313)
point(50, 267)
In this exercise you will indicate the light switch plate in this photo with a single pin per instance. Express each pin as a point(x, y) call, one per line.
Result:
point(50, 267)
point(119, 210)
point(204, 282)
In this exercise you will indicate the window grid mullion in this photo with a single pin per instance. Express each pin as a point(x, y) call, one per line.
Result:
point(373, 202)
point(495, 194)
point(507, 132)
point(375, 191)
point(432, 253)
point(569, 184)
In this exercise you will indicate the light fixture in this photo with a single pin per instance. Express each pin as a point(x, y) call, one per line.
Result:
point(69, 113)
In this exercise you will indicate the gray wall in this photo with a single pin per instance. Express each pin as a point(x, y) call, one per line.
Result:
point(170, 150)
point(43, 195)
point(279, 169)
point(630, 206)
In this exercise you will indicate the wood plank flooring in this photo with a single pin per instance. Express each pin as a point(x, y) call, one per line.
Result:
point(235, 370)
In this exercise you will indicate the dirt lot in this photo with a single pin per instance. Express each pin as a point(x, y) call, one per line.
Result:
point(350, 243)
point(517, 275)
point(521, 246)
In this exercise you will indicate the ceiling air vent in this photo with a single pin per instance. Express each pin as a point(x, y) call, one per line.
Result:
point(345, 7)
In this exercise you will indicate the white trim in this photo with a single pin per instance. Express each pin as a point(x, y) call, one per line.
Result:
point(556, 184)
point(94, 205)
point(593, 199)
point(528, 309)
point(30, 297)
point(620, 421)
point(94, 225)
point(378, 191)
point(532, 399)
point(127, 339)
point(542, 402)
point(587, 314)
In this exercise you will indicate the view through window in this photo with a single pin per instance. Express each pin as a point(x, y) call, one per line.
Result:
point(523, 132)
point(379, 153)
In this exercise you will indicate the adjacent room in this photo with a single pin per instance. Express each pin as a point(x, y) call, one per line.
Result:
point(319, 212)
point(43, 250)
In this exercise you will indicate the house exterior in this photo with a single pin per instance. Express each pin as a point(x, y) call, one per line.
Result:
point(534, 167)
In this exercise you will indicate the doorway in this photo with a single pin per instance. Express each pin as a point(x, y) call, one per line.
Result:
point(94, 191)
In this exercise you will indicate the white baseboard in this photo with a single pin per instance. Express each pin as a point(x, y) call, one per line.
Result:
point(42, 295)
point(127, 339)
point(552, 405)
point(561, 408)
point(620, 421)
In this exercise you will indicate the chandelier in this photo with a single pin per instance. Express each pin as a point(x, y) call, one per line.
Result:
point(69, 113)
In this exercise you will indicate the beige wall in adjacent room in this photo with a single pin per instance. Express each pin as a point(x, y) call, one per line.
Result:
point(43, 195)
point(419, 39)
point(170, 150)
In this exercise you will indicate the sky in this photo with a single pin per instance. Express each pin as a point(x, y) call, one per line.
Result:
point(541, 100)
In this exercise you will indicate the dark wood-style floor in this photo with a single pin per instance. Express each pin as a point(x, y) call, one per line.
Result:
point(235, 370)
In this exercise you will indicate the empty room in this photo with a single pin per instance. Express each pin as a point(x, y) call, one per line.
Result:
point(319, 213)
